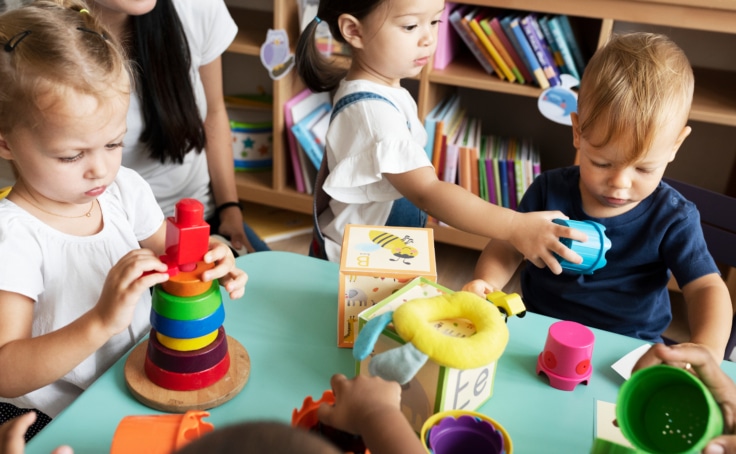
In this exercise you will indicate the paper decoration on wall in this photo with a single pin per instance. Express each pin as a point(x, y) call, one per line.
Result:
point(558, 102)
point(276, 55)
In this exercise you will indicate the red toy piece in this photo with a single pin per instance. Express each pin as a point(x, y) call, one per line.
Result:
point(187, 236)
point(186, 382)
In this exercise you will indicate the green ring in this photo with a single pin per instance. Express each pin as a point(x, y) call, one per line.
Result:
point(186, 307)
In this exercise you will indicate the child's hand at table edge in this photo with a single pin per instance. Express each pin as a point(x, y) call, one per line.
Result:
point(479, 287)
point(229, 275)
point(537, 238)
point(12, 435)
point(358, 401)
point(699, 360)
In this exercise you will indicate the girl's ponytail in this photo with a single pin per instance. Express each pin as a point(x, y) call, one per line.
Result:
point(314, 69)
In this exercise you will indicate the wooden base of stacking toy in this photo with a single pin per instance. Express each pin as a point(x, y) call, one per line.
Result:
point(163, 399)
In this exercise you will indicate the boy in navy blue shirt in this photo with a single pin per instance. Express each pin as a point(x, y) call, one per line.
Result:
point(634, 101)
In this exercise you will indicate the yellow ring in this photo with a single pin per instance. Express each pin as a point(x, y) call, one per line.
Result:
point(414, 320)
point(186, 345)
point(437, 417)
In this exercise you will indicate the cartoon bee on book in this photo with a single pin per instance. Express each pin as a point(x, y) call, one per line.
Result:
point(399, 247)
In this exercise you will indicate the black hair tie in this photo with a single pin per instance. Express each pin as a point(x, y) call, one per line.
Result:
point(15, 40)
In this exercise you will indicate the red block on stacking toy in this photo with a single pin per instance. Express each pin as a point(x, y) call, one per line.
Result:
point(187, 235)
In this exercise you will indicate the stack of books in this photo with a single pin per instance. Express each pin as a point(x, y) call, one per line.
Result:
point(497, 169)
point(524, 48)
point(307, 116)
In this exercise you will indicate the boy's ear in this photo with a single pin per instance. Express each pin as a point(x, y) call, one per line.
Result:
point(680, 139)
point(351, 30)
point(575, 130)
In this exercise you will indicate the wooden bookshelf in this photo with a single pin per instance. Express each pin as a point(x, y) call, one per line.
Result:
point(714, 101)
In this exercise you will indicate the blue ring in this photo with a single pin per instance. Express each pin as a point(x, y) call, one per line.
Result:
point(188, 329)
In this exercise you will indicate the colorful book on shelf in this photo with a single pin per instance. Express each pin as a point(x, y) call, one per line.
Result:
point(448, 112)
point(452, 148)
point(464, 179)
point(505, 22)
point(482, 177)
point(529, 55)
point(555, 29)
point(460, 24)
point(307, 169)
point(447, 40)
point(552, 46)
point(498, 44)
point(487, 168)
point(529, 26)
point(468, 160)
point(295, 109)
point(291, 140)
point(572, 42)
point(474, 155)
point(497, 170)
point(495, 24)
point(511, 172)
point(429, 124)
point(502, 172)
point(505, 71)
point(303, 134)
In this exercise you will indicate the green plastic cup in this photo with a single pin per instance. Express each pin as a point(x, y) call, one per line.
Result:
point(664, 409)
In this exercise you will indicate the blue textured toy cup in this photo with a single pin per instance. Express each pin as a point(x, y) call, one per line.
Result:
point(592, 251)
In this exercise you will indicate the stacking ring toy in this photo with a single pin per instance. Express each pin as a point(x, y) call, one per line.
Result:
point(187, 362)
point(188, 283)
point(413, 322)
point(186, 345)
point(187, 329)
point(187, 307)
point(186, 382)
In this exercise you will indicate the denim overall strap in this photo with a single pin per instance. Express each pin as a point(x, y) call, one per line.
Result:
point(403, 213)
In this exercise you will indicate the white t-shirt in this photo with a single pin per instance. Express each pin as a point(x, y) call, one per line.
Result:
point(64, 275)
point(209, 30)
point(365, 140)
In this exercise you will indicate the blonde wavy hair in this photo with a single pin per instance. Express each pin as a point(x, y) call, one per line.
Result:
point(51, 46)
point(631, 87)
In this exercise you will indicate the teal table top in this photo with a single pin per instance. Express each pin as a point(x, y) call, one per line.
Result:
point(287, 322)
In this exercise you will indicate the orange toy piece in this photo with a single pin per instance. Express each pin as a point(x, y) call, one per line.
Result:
point(159, 434)
point(188, 283)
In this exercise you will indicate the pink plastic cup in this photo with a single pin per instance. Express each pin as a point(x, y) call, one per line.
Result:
point(566, 359)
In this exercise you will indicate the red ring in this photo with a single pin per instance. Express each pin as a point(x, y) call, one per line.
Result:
point(186, 382)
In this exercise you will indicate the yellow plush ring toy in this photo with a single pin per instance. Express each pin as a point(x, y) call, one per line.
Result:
point(413, 322)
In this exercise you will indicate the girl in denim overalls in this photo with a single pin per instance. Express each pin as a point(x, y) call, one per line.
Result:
point(375, 170)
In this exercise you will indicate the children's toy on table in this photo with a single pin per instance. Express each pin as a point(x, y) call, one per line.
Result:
point(664, 409)
point(466, 432)
point(187, 350)
point(375, 262)
point(592, 251)
point(442, 347)
point(567, 354)
point(159, 434)
point(306, 418)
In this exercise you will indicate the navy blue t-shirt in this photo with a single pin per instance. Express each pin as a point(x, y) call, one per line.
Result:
point(629, 295)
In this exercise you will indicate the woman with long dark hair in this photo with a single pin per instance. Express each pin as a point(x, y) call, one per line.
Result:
point(179, 135)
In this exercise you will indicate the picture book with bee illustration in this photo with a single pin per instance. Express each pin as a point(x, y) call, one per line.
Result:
point(376, 261)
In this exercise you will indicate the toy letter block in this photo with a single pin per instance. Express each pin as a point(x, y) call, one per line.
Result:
point(434, 387)
point(375, 262)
